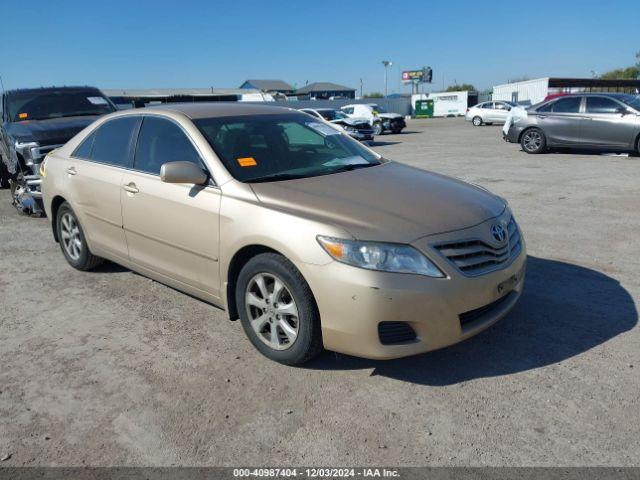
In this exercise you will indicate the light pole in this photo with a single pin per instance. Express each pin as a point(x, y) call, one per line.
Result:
point(386, 64)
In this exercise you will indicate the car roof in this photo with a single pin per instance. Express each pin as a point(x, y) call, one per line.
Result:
point(218, 109)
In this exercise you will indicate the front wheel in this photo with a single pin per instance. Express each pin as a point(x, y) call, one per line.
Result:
point(477, 121)
point(277, 310)
point(377, 129)
point(72, 240)
point(533, 141)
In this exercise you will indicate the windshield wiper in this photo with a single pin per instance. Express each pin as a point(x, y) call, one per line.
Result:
point(348, 168)
point(275, 177)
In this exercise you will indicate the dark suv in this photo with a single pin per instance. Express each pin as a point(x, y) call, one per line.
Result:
point(34, 122)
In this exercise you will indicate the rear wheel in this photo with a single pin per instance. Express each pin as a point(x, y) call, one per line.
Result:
point(477, 121)
point(277, 310)
point(533, 141)
point(72, 240)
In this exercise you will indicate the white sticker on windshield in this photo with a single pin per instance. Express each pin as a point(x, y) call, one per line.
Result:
point(323, 129)
point(97, 100)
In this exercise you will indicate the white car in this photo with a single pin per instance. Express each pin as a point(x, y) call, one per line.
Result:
point(355, 127)
point(378, 117)
point(486, 113)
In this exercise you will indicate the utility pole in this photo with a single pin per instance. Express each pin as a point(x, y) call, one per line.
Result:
point(386, 64)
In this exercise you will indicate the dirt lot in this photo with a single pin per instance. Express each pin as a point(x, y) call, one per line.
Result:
point(110, 368)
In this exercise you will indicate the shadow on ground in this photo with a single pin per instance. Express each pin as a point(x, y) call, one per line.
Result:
point(565, 310)
point(376, 143)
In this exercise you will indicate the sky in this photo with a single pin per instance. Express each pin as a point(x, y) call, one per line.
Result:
point(199, 43)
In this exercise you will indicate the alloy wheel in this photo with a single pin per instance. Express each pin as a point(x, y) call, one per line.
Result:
point(532, 141)
point(272, 311)
point(70, 236)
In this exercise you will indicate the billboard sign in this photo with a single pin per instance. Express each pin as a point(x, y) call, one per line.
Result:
point(417, 76)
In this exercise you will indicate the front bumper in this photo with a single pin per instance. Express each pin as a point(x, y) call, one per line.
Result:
point(353, 301)
point(362, 135)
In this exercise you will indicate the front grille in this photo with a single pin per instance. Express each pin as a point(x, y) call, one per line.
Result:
point(362, 126)
point(395, 332)
point(473, 315)
point(475, 257)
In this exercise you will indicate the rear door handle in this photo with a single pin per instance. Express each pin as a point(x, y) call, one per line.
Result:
point(130, 187)
point(72, 171)
point(542, 116)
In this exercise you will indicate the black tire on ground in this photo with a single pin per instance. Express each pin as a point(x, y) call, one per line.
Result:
point(308, 342)
point(533, 141)
point(378, 129)
point(4, 174)
point(396, 131)
point(637, 151)
point(85, 260)
point(477, 121)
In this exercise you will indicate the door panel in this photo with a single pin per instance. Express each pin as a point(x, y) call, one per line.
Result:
point(95, 177)
point(172, 229)
point(604, 126)
point(96, 190)
point(562, 121)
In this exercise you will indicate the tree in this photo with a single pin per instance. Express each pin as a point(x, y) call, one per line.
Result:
point(461, 88)
point(624, 73)
point(374, 95)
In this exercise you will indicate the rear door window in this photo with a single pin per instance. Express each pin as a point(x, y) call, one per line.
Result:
point(161, 141)
point(601, 105)
point(567, 105)
point(488, 105)
point(112, 143)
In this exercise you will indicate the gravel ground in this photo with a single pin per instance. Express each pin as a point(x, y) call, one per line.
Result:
point(111, 368)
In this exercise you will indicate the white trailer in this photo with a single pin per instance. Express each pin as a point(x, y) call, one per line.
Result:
point(449, 104)
point(533, 91)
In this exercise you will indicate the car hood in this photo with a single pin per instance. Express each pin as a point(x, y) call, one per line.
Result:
point(351, 120)
point(48, 132)
point(390, 202)
point(390, 115)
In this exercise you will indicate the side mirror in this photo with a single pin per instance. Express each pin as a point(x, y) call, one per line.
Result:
point(623, 111)
point(182, 172)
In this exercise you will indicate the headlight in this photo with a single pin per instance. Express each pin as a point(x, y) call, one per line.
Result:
point(384, 257)
point(349, 129)
point(24, 149)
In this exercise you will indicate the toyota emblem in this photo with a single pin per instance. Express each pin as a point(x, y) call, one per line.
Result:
point(499, 233)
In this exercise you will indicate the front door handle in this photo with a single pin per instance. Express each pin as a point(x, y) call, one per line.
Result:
point(542, 116)
point(72, 171)
point(130, 187)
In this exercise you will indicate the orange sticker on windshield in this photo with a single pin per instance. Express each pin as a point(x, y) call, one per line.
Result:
point(23, 115)
point(247, 162)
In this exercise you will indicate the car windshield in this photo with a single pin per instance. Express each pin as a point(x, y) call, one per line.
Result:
point(265, 148)
point(632, 100)
point(30, 105)
point(378, 109)
point(332, 114)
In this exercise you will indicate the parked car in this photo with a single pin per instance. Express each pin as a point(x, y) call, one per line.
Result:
point(358, 128)
point(608, 121)
point(381, 120)
point(309, 237)
point(487, 113)
point(35, 122)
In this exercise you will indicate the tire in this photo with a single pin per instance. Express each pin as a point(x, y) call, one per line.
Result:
point(264, 295)
point(78, 256)
point(477, 121)
point(5, 176)
point(636, 153)
point(378, 129)
point(533, 141)
point(396, 132)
